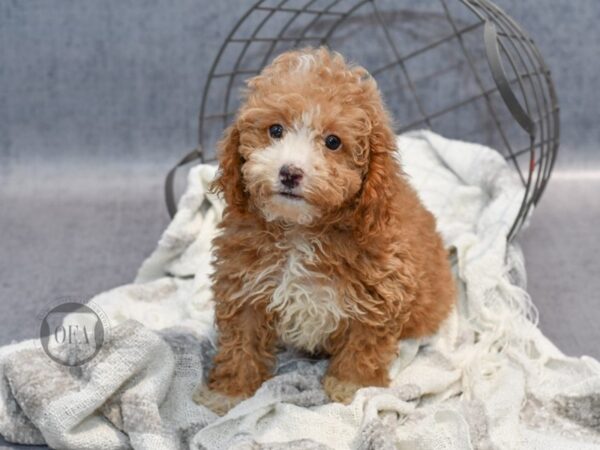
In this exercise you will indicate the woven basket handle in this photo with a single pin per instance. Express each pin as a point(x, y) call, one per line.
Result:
point(170, 179)
point(492, 50)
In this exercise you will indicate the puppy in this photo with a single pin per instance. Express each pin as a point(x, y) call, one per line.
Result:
point(324, 245)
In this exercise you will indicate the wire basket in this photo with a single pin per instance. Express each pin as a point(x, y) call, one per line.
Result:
point(462, 68)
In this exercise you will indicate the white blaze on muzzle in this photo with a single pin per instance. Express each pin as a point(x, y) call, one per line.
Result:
point(296, 149)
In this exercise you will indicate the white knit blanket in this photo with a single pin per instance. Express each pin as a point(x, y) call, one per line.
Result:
point(488, 379)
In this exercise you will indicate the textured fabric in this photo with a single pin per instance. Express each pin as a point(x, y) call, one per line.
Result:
point(488, 379)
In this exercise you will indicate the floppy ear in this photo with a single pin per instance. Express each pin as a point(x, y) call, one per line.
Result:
point(381, 183)
point(229, 177)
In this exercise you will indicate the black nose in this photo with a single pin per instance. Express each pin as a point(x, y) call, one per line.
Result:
point(290, 176)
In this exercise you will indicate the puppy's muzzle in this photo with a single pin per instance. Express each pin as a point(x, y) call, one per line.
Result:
point(290, 176)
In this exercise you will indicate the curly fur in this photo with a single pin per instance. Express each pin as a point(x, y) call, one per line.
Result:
point(349, 269)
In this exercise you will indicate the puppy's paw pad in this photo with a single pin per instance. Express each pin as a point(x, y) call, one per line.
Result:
point(338, 390)
point(217, 402)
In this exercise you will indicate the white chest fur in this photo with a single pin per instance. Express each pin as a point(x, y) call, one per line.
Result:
point(305, 301)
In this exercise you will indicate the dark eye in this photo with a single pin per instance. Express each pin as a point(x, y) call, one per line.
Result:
point(332, 142)
point(276, 131)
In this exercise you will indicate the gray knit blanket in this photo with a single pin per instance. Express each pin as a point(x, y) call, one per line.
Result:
point(487, 379)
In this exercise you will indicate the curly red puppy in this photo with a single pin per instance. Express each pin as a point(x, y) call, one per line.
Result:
point(325, 246)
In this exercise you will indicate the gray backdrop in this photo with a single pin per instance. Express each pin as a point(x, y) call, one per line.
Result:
point(121, 80)
point(99, 98)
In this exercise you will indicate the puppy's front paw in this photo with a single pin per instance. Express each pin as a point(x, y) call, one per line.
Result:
point(338, 390)
point(217, 402)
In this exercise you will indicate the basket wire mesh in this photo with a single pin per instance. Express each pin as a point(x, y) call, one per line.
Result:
point(462, 68)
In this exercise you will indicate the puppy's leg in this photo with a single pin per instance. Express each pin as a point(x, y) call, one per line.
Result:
point(360, 358)
point(245, 357)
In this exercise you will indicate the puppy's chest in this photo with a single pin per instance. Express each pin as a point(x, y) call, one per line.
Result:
point(305, 299)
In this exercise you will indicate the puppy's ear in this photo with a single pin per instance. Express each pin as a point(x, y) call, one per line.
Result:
point(229, 177)
point(381, 183)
